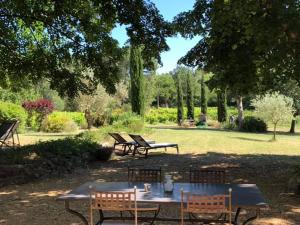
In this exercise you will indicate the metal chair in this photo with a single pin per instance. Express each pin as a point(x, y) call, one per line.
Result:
point(136, 174)
point(142, 146)
point(212, 205)
point(126, 146)
point(8, 130)
point(212, 176)
point(113, 202)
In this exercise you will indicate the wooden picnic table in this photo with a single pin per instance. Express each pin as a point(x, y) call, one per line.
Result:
point(244, 196)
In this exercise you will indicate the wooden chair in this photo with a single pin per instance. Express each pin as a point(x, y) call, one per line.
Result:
point(8, 130)
point(113, 202)
point(142, 146)
point(212, 176)
point(212, 205)
point(136, 174)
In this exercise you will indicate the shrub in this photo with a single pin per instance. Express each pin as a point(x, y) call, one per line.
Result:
point(9, 111)
point(67, 153)
point(254, 124)
point(41, 108)
point(58, 123)
point(77, 117)
point(129, 121)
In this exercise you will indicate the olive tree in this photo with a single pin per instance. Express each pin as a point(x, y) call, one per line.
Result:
point(274, 108)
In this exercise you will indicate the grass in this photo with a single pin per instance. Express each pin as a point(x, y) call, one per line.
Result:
point(200, 141)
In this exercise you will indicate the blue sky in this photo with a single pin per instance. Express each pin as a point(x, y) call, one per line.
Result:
point(178, 45)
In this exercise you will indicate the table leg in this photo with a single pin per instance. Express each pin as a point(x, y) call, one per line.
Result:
point(73, 212)
point(237, 216)
point(252, 218)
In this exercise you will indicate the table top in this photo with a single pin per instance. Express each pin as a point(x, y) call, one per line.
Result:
point(243, 195)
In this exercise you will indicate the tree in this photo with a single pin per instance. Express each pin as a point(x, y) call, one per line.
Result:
point(274, 108)
point(244, 43)
point(137, 81)
point(165, 89)
point(41, 39)
point(222, 106)
point(190, 96)
point(203, 102)
point(179, 98)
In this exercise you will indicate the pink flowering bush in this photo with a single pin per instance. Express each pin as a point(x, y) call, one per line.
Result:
point(41, 108)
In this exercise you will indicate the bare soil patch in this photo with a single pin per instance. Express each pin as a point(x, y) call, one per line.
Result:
point(35, 203)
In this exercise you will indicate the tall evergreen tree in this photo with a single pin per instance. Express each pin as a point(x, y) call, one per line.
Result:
point(203, 102)
point(222, 105)
point(137, 81)
point(189, 96)
point(179, 99)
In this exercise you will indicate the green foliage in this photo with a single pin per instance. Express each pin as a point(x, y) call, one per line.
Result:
point(137, 81)
point(9, 111)
point(42, 40)
point(190, 96)
point(58, 123)
point(179, 100)
point(56, 156)
point(203, 102)
point(167, 115)
point(130, 121)
point(254, 124)
point(77, 117)
point(274, 108)
point(165, 89)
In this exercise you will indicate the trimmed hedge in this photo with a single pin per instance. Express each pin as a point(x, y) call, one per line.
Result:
point(165, 115)
point(9, 111)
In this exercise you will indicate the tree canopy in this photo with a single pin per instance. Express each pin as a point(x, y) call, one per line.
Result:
point(61, 40)
point(244, 43)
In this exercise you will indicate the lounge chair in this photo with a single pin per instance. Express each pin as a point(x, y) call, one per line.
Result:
point(7, 131)
point(126, 146)
point(142, 146)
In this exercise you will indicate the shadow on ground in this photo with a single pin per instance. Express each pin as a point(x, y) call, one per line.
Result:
point(35, 203)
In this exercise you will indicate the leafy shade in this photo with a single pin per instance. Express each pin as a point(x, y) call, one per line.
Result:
point(244, 43)
point(61, 40)
point(274, 108)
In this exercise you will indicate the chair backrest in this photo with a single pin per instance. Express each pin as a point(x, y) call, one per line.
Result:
point(213, 176)
point(118, 138)
point(113, 201)
point(144, 174)
point(7, 129)
point(206, 204)
point(139, 140)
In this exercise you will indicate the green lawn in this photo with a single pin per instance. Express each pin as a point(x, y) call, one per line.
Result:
point(197, 141)
point(203, 141)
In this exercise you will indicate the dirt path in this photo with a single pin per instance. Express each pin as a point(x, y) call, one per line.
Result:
point(34, 203)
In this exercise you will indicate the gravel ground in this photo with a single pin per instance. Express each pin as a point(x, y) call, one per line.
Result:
point(34, 203)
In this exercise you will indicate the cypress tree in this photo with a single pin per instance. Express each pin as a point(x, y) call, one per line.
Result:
point(203, 100)
point(222, 105)
point(137, 81)
point(179, 100)
point(189, 97)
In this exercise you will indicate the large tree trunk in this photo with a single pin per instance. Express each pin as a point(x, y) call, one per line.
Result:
point(222, 106)
point(293, 124)
point(240, 108)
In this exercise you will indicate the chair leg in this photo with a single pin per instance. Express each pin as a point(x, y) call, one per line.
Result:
point(134, 151)
point(177, 149)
